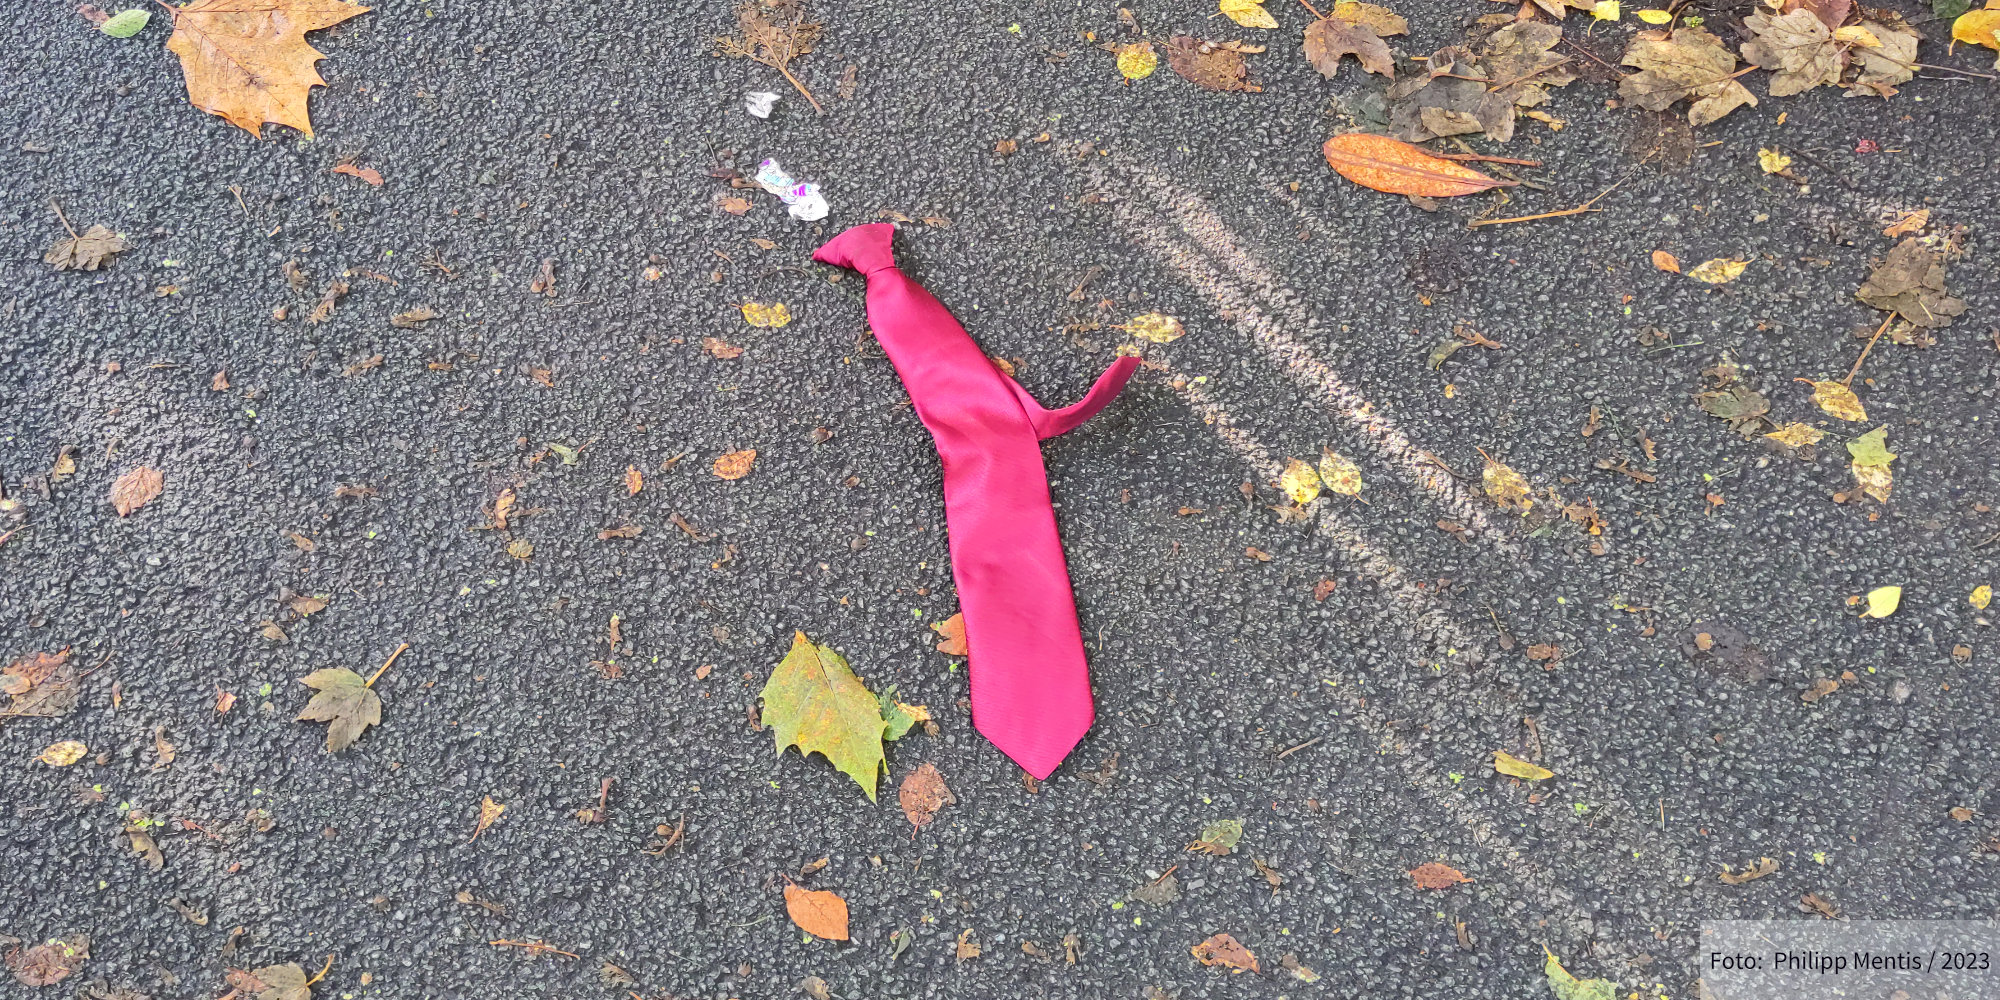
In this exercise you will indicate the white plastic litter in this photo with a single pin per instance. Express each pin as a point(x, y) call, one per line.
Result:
point(759, 103)
point(803, 200)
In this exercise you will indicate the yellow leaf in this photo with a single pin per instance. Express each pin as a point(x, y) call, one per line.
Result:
point(1882, 602)
point(70, 751)
point(774, 315)
point(489, 811)
point(1654, 16)
point(1137, 60)
point(1981, 596)
point(1874, 480)
point(1979, 27)
point(1838, 400)
point(1248, 13)
point(1772, 161)
point(817, 912)
point(1159, 328)
point(813, 701)
point(1339, 474)
point(1797, 435)
point(1299, 482)
point(1855, 34)
point(1508, 764)
point(1605, 10)
point(1505, 486)
point(1555, 124)
point(1719, 271)
point(248, 61)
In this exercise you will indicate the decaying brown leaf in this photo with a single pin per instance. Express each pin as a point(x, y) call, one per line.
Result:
point(248, 61)
point(1224, 950)
point(410, 319)
point(1330, 39)
point(50, 962)
point(951, 635)
point(1877, 69)
point(367, 175)
point(1666, 262)
point(634, 480)
point(1763, 867)
point(135, 489)
point(1436, 875)
point(87, 252)
point(923, 793)
point(1684, 64)
point(1396, 167)
point(1743, 407)
point(1910, 282)
point(1798, 48)
point(966, 949)
point(719, 348)
point(734, 464)
point(775, 32)
point(1520, 64)
point(817, 912)
point(1211, 65)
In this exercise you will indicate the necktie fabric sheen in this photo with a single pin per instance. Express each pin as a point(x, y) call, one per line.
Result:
point(1030, 684)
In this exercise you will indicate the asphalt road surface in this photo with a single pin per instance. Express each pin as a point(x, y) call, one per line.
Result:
point(1352, 734)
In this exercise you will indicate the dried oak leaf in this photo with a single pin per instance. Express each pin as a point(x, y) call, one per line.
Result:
point(1396, 167)
point(1688, 64)
point(1330, 39)
point(1224, 950)
point(248, 61)
point(817, 912)
point(1910, 283)
point(1877, 69)
point(343, 699)
point(1798, 48)
point(87, 252)
point(1211, 65)
point(1434, 875)
point(50, 962)
point(135, 489)
point(813, 701)
point(923, 794)
point(951, 635)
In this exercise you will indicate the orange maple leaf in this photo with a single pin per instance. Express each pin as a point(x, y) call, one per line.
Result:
point(248, 61)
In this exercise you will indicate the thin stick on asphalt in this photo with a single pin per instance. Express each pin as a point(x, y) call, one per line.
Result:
point(322, 971)
point(1315, 10)
point(1287, 753)
point(1578, 210)
point(1483, 158)
point(1851, 372)
point(1953, 69)
point(385, 663)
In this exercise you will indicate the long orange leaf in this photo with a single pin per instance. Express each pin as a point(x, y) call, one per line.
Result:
point(1396, 167)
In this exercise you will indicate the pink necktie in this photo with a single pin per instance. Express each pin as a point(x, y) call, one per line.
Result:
point(1030, 686)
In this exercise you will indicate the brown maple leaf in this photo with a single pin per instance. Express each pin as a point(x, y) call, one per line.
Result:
point(248, 61)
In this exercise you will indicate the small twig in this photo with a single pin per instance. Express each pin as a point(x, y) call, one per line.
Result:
point(64, 218)
point(385, 663)
point(322, 971)
point(534, 947)
point(1315, 10)
point(1578, 210)
point(1483, 158)
point(1851, 372)
point(1287, 753)
point(237, 190)
point(1534, 731)
point(1953, 69)
point(1674, 347)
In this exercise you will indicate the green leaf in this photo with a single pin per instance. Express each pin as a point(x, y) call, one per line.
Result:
point(1872, 448)
point(813, 701)
point(1948, 10)
point(126, 23)
point(1219, 837)
point(895, 721)
point(345, 700)
point(1568, 987)
point(567, 453)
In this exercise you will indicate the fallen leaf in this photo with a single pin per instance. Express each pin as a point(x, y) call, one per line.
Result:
point(1685, 63)
point(1339, 474)
point(1568, 987)
point(1217, 66)
point(63, 754)
point(248, 61)
point(521, 548)
point(1442, 102)
point(1299, 482)
point(163, 751)
point(1513, 766)
point(1980, 597)
point(489, 811)
point(1720, 271)
point(1380, 20)
point(1773, 162)
point(1837, 400)
point(42, 685)
point(1872, 448)
point(50, 962)
point(1798, 48)
point(138, 832)
point(544, 282)
point(719, 348)
point(410, 319)
point(1248, 13)
point(124, 24)
point(1763, 867)
point(1743, 407)
point(733, 204)
point(763, 244)
point(1979, 27)
point(1910, 282)
point(1504, 486)
point(1137, 60)
point(734, 464)
point(813, 701)
point(966, 948)
point(1396, 167)
point(1655, 16)
point(1909, 223)
point(1219, 838)
point(1159, 328)
point(273, 982)
point(369, 175)
point(1223, 950)
point(775, 32)
point(951, 635)
point(634, 481)
point(1961, 814)
point(1256, 553)
point(817, 912)
point(135, 489)
point(1543, 652)
point(1329, 40)
point(224, 701)
point(923, 794)
point(1877, 69)
point(1813, 903)
point(758, 314)
point(1303, 973)
point(306, 605)
point(1797, 435)
point(1883, 601)
point(1433, 875)
point(1666, 261)
point(343, 699)
point(328, 299)
point(87, 252)
point(1831, 13)
point(1160, 891)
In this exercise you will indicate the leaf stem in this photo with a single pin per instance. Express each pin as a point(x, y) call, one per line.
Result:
point(322, 971)
point(1578, 210)
point(385, 664)
point(63, 218)
point(1851, 372)
point(1315, 10)
point(780, 67)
